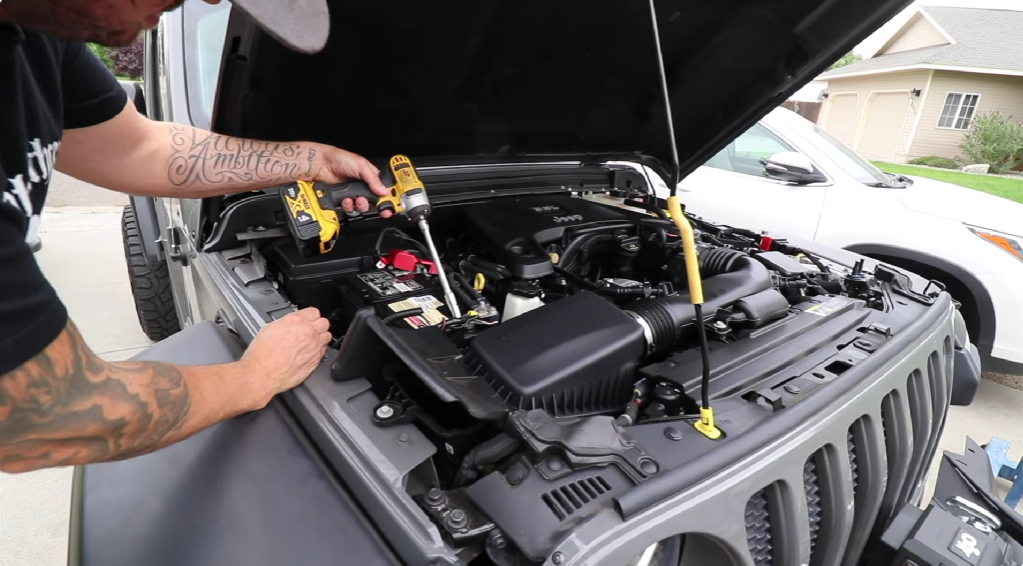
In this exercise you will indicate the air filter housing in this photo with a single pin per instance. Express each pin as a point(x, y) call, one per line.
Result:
point(574, 356)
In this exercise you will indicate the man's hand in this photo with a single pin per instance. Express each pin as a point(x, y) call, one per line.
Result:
point(339, 165)
point(285, 352)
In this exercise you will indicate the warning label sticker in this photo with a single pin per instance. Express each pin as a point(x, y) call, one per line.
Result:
point(832, 306)
point(430, 317)
point(386, 285)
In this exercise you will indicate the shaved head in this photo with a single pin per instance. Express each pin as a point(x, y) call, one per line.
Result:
point(114, 23)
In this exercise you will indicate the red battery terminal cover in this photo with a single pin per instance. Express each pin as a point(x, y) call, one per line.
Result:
point(405, 260)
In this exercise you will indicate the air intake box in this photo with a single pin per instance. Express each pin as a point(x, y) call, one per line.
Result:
point(574, 356)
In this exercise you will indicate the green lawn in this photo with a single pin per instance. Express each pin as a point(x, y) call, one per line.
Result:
point(1011, 189)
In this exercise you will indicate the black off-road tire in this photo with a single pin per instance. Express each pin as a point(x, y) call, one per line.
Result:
point(150, 283)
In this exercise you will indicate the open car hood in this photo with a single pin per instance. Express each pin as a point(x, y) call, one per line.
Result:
point(549, 80)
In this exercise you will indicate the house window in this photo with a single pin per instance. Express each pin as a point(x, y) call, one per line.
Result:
point(958, 111)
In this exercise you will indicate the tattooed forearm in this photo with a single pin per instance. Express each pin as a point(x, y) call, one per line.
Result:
point(208, 160)
point(66, 406)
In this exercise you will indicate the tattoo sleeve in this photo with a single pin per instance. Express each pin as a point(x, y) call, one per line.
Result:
point(201, 159)
point(66, 406)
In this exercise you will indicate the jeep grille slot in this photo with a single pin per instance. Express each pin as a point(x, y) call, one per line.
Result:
point(868, 468)
point(571, 497)
point(758, 529)
point(812, 488)
point(921, 417)
point(850, 441)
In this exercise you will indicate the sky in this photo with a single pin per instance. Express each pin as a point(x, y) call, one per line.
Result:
point(878, 38)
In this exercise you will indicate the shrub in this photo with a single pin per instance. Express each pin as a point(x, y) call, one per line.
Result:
point(103, 53)
point(995, 139)
point(935, 161)
point(128, 60)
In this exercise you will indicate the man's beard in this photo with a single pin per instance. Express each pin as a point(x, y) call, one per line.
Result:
point(69, 20)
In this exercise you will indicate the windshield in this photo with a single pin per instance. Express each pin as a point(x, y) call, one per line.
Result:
point(205, 30)
point(846, 159)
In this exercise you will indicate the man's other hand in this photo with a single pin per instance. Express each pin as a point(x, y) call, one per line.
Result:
point(338, 165)
point(286, 351)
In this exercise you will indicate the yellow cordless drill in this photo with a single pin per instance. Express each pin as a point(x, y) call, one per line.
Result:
point(311, 210)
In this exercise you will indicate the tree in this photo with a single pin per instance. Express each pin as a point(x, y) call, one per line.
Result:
point(847, 59)
point(128, 60)
point(103, 53)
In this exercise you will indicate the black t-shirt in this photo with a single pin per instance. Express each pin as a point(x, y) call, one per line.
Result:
point(46, 86)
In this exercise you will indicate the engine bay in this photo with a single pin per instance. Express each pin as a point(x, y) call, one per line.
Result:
point(573, 374)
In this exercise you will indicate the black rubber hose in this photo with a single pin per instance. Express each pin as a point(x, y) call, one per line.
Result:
point(467, 301)
point(401, 315)
point(485, 454)
point(575, 247)
point(491, 275)
point(420, 247)
point(490, 266)
point(464, 282)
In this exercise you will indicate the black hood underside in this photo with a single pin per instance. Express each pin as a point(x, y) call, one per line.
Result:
point(499, 81)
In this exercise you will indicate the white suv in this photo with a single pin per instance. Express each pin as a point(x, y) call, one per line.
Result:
point(787, 175)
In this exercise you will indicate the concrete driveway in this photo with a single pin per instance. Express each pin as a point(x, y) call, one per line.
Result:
point(83, 258)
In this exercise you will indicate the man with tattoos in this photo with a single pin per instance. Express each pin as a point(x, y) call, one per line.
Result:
point(61, 109)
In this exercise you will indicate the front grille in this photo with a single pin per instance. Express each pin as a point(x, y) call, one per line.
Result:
point(887, 452)
point(758, 529)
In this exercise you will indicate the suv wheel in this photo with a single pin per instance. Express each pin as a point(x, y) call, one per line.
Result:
point(150, 283)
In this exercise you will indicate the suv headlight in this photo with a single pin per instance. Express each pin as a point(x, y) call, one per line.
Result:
point(1006, 242)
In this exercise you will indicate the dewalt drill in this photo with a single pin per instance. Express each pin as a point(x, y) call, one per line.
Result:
point(311, 210)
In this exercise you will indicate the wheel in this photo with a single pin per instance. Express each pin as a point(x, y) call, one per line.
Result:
point(150, 283)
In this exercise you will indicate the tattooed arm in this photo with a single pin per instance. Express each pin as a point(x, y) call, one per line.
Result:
point(66, 406)
point(135, 155)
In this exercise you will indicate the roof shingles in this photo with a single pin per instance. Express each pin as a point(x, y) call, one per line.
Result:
point(987, 39)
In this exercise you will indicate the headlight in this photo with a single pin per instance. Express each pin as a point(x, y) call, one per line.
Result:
point(1006, 242)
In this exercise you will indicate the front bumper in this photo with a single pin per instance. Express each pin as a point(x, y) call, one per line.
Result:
point(815, 495)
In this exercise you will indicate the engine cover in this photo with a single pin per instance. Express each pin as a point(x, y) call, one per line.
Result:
point(514, 230)
point(574, 356)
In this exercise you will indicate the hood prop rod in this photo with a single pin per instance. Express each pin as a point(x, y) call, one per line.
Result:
point(706, 424)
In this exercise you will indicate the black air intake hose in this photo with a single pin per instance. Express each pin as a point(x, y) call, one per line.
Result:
point(716, 261)
point(665, 320)
point(485, 454)
point(713, 261)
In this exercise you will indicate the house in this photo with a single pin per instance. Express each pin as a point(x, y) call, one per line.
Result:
point(807, 101)
point(919, 95)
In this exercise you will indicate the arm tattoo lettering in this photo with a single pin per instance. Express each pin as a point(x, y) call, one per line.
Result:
point(206, 159)
point(66, 406)
point(312, 164)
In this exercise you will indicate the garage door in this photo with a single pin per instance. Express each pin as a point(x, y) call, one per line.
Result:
point(886, 118)
point(841, 116)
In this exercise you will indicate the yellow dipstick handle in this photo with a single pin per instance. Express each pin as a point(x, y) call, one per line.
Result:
point(689, 248)
point(706, 424)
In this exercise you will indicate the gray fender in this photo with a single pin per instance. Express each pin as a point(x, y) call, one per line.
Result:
point(250, 491)
point(985, 307)
point(149, 227)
